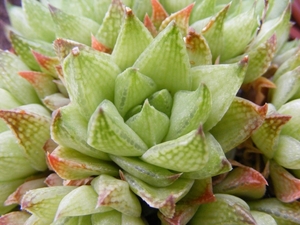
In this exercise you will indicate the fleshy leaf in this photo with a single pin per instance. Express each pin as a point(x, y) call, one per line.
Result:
point(79, 201)
point(31, 130)
point(200, 193)
point(16, 197)
point(174, 75)
point(287, 152)
point(115, 217)
point(239, 122)
point(10, 65)
point(217, 162)
point(99, 46)
point(279, 26)
point(222, 92)
point(150, 26)
point(7, 188)
point(290, 128)
point(69, 129)
point(150, 124)
point(162, 198)
point(286, 186)
point(16, 218)
point(263, 218)
point(116, 194)
point(260, 59)
point(197, 105)
point(162, 101)
point(185, 154)
point(286, 213)
point(42, 82)
point(159, 14)
point(77, 28)
point(198, 49)
point(73, 165)
point(181, 19)
point(244, 182)
point(202, 9)
point(55, 101)
point(43, 202)
point(109, 30)
point(39, 19)
point(18, 21)
point(225, 210)
point(13, 164)
point(290, 64)
point(107, 132)
point(149, 173)
point(93, 69)
point(131, 42)
point(46, 63)
point(237, 33)
point(266, 136)
point(213, 33)
point(132, 87)
point(24, 47)
point(287, 85)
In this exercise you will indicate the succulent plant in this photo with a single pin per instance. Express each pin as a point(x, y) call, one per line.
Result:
point(148, 112)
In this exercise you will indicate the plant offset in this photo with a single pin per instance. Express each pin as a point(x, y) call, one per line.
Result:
point(135, 112)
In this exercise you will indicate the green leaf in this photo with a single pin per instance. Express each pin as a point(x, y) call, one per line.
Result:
point(43, 202)
point(131, 42)
point(150, 124)
point(162, 101)
point(217, 162)
point(162, 198)
point(92, 69)
point(131, 89)
point(225, 210)
point(31, 130)
point(290, 128)
point(39, 19)
point(287, 85)
point(107, 132)
point(24, 47)
point(10, 65)
point(7, 188)
point(42, 82)
point(77, 28)
point(72, 165)
point(149, 173)
point(266, 136)
point(213, 33)
point(287, 152)
point(13, 164)
point(260, 59)
point(168, 47)
point(197, 106)
point(79, 202)
point(198, 49)
point(263, 218)
point(202, 9)
point(283, 213)
point(115, 193)
point(237, 33)
point(185, 154)
point(109, 30)
point(69, 129)
point(223, 81)
point(239, 122)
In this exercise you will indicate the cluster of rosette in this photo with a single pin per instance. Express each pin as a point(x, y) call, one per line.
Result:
point(143, 118)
